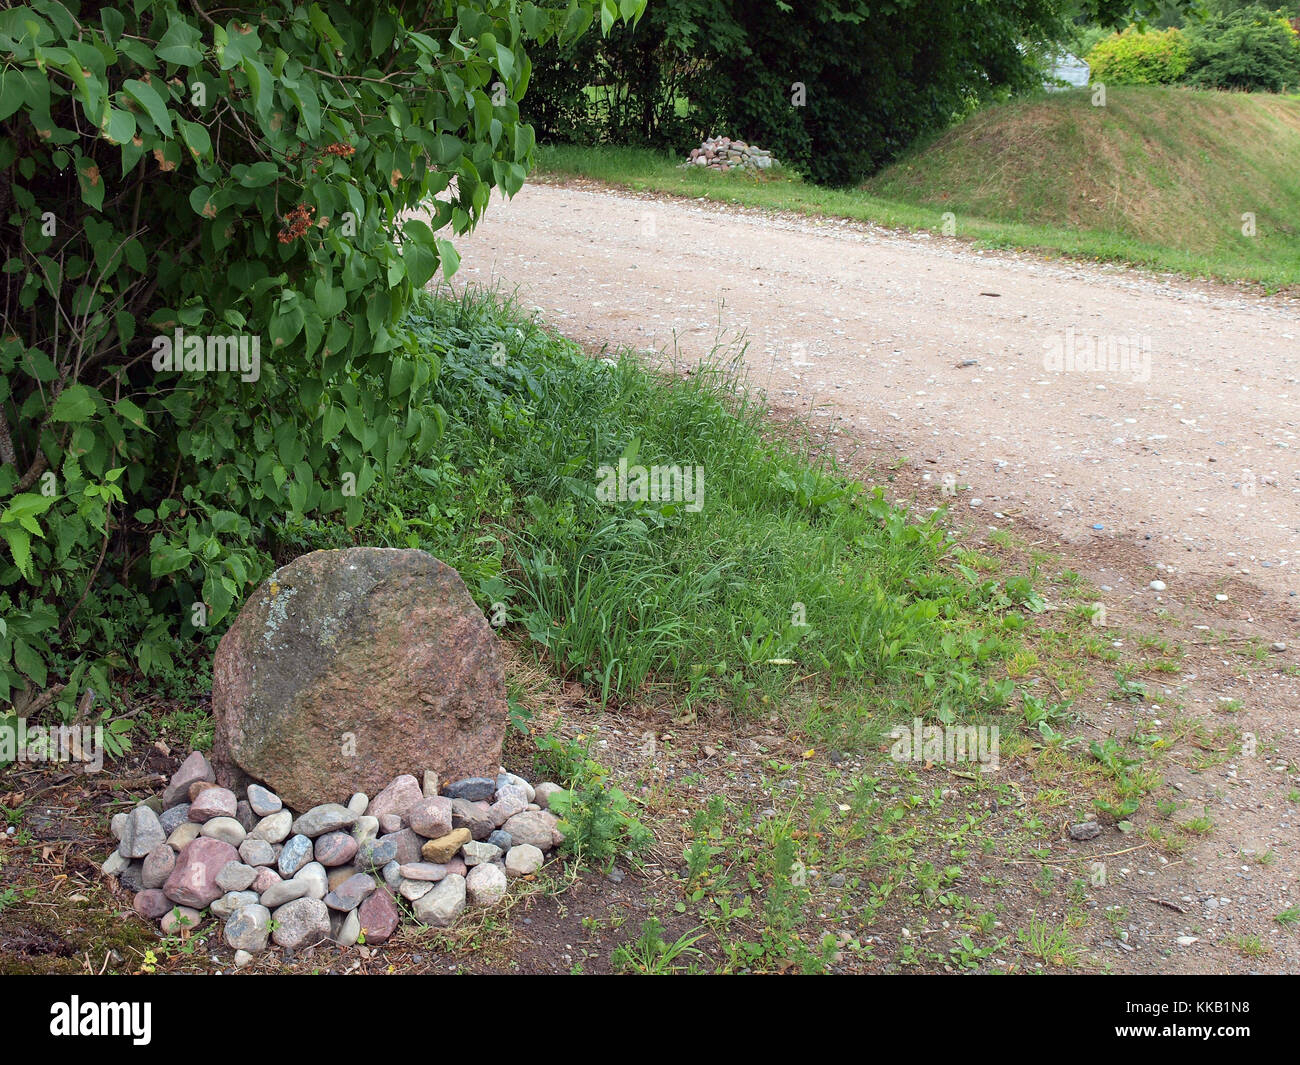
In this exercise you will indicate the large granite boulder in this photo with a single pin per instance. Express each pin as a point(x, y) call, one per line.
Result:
point(348, 668)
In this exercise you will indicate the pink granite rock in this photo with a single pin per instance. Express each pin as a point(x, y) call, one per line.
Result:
point(348, 668)
point(194, 880)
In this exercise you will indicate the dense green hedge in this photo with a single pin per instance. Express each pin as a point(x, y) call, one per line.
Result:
point(1136, 58)
point(1250, 48)
point(233, 182)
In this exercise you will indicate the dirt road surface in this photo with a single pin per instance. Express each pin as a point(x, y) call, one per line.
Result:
point(1172, 458)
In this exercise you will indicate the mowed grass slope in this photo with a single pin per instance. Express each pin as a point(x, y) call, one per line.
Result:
point(1158, 177)
point(1155, 165)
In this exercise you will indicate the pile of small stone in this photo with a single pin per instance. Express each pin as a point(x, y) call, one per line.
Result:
point(722, 153)
point(336, 871)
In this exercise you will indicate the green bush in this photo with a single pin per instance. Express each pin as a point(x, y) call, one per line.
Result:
point(1137, 58)
point(1251, 49)
point(247, 178)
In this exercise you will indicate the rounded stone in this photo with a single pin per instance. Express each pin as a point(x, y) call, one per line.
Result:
point(173, 817)
point(415, 889)
point(198, 788)
point(263, 801)
point(297, 853)
point(366, 829)
point(479, 853)
point(248, 928)
point(313, 874)
point(473, 789)
point(193, 882)
point(274, 828)
point(213, 802)
point(300, 923)
point(443, 904)
point(485, 885)
point(236, 876)
point(180, 918)
point(351, 893)
point(537, 827)
point(345, 928)
point(257, 852)
point(226, 829)
point(523, 859)
point(195, 767)
point(158, 866)
point(267, 877)
point(285, 891)
point(431, 817)
point(335, 848)
point(141, 833)
point(151, 903)
point(445, 847)
point(398, 797)
point(232, 901)
point(383, 643)
point(379, 917)
point(329, 817)
point(429, 871)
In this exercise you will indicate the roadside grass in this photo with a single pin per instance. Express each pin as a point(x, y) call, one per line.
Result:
point(1160, 178)
point(809, 856)
point(788, 580)
point(691, 617)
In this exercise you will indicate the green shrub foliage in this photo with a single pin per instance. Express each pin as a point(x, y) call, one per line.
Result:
point(260, 187)
point(1136, 58)
point(1250, 49)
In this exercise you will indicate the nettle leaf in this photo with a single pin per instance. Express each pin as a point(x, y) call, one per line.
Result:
point(76, 403)
point(23, 510)
point(169, 558)
point(20, 547)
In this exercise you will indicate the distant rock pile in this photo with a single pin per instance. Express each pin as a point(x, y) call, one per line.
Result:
point(334, 872)
point(722, 153)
